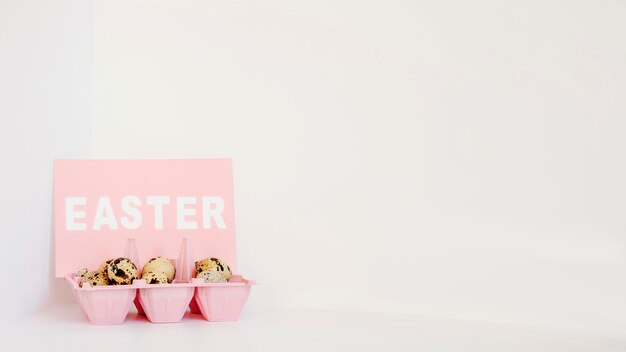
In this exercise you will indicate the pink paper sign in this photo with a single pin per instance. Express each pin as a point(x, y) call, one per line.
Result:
point(99, 204)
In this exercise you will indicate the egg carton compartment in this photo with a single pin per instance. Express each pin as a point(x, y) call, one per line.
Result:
point(103, 305)
point(221, 302)
point(167, 303)
point(163, 303)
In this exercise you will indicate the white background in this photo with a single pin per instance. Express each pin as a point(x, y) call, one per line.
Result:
point(45, 108)
point(458, 160)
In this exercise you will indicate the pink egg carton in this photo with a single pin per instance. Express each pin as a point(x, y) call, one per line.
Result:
point(165, 303)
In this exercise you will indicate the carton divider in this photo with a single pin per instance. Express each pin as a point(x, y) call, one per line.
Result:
point(185, 262)
point(131, 253)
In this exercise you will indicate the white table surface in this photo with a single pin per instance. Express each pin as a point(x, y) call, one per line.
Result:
point(63, 327)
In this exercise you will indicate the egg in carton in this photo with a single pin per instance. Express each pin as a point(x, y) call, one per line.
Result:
point(164, 292)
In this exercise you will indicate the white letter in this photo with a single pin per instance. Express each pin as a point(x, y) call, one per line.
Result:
point(104, 215)
point(208, 212)
point(71, 214)
point(182, 212)
point(128, 206)
point(158, 203)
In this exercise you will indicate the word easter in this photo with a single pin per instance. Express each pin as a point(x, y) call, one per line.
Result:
point(75, 218)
